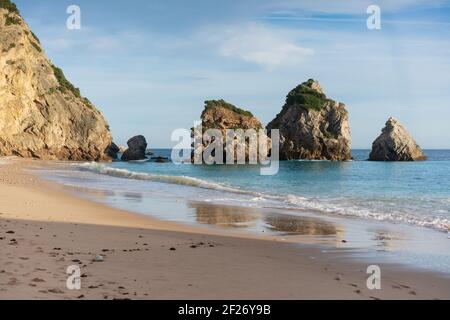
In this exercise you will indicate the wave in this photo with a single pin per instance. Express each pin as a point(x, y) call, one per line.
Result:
point(434, 222)
point(322, 206)
point(179, 180)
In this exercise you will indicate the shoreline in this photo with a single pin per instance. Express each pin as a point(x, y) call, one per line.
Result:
point(54, 229)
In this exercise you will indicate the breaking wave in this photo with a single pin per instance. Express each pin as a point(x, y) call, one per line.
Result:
point(342, 207)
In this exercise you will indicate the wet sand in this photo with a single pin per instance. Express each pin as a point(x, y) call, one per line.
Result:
point(44, 230)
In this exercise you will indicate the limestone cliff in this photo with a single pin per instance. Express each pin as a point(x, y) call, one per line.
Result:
point(312, 126)
point(221, 115)
point(396, 144)
point(42, 115)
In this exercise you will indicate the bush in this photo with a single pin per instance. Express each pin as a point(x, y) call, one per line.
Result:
point(10, 20)
point(65, 85)
point(35, 37)
point(211, 104)
point(11, 46)
point(36, 46)
point(10, 6)
point(307, 98)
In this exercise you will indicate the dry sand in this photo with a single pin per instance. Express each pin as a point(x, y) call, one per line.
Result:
point(44, 229)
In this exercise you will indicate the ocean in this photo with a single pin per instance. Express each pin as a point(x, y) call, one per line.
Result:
point(388, 200)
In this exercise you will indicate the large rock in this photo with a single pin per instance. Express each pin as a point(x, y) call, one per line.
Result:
point(137, 147)
point(113, 150)
point(395, 144)
point(221, 115)
point(312, 126)
point(42, 114)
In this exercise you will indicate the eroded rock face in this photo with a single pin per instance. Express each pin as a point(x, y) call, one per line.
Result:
point(137, 147)
point(221, 115)
point(396, 144)
point(113, 150)
point(312, 126)
point(42, 115)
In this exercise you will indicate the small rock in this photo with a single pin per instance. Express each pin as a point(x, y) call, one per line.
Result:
point(99, 258)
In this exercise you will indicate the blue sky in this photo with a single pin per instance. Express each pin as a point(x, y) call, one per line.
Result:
point(150, 65)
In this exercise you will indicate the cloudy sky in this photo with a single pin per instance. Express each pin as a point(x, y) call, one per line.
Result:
point(150, 65)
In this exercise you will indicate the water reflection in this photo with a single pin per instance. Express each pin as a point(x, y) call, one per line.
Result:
point(224, 215)
point(262, 220)
point(300, 225)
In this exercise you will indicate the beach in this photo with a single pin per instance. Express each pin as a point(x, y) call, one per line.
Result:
point(44, 229)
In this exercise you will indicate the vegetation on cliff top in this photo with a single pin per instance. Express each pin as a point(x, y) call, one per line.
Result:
point(307, 97)
point(11, 20)
point(8, 5)
point(66, 85)
point(213, 104)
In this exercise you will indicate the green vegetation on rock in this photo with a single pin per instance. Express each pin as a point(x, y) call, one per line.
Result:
point(11, 46)
point(211, 104)
point(307, 97)
point(36, 46)
point(10, 20)
point(35, 37)
point(8, 5)
point(65, 85)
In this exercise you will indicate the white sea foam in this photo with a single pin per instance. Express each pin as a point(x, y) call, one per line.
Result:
point(252, 198)
point(179, 180)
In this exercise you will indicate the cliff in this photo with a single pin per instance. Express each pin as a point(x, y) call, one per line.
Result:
point(221, 115)
point(42, 114)
point(312, 126)
point(395, 144)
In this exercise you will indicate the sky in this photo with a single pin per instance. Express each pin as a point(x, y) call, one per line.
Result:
point(150, 65)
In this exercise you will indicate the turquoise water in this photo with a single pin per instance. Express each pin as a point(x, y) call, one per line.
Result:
point(415, 193)
point(394, 211)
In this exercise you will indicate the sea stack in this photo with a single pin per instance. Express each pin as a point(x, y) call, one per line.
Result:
point(42, 115)
point(137, 147)
point(396, 144)
point(312, 126)
point(221, 115)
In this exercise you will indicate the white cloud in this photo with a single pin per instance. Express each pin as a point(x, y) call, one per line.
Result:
point(255, 43)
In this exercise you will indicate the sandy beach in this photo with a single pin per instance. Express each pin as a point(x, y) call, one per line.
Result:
point(44, 230)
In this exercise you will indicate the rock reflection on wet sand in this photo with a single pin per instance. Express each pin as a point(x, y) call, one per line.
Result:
point(266, 219)
point(224, 215)
point(300, 225)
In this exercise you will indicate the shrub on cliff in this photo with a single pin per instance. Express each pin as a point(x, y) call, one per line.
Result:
point(210, 104)
point(307, 97)
point(8, 5)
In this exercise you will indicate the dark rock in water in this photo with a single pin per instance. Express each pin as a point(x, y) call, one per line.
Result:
point(138, 142)
point(396, 144)
point(112, 150)
point(160, 159)
point(137, 147)
point(312, 126)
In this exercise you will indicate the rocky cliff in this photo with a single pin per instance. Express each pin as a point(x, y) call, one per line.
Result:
point(396, 144)
point(312, 126)
point(221, 115)
point(42, 114)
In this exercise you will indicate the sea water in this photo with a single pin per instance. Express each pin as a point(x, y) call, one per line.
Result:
point(331, 197)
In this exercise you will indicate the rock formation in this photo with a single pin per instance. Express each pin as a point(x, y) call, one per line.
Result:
point(113, 150)
point(221, 115)
point(395, 144)
point(312, 126)
point(137, 147)
point(42, 114)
